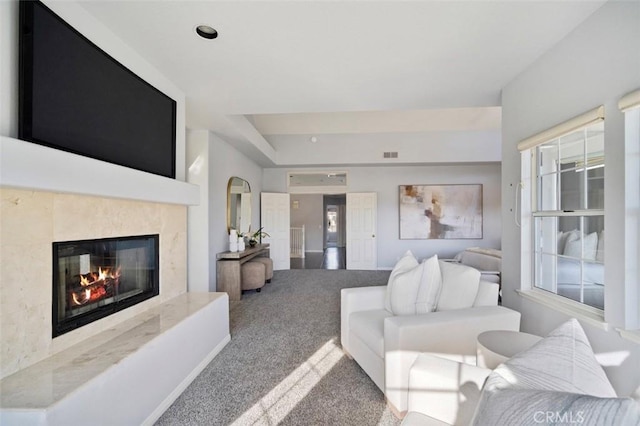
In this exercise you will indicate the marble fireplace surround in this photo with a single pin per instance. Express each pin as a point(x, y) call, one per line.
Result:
point(48, 195)
point(30, 222)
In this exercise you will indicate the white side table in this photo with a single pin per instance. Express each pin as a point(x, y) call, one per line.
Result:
point(496, 346)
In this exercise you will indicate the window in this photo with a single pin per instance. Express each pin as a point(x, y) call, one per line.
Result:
point(630, 106)
point(562, 213)
point(566, 215)
point(305, 182)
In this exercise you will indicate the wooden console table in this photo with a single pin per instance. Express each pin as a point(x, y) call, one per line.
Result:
point(228, 271)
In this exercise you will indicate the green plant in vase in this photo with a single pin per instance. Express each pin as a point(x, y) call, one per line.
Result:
point(257, 237)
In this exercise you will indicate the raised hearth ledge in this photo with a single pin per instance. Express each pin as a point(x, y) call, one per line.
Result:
point(31, 166)
point(138, 368)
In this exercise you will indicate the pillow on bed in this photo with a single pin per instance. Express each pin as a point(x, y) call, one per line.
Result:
point(600, 250)
point(568, 237)
point(572, 248)
point(562, 240)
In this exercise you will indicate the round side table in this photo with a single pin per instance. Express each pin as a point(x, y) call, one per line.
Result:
point(496, 346)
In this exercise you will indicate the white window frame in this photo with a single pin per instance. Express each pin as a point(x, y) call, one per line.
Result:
point(582, 215)
point(527, 220)
point(630, 107)
point(626, 294)
point(337, 188)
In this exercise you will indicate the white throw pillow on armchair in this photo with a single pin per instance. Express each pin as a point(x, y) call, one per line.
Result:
point(563, 361)
point(430, 286)
point(558, 375)
point(406, 263)
point(459, 286)
point(414, 290)
point(535, 407)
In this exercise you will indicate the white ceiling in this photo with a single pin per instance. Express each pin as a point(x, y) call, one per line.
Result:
point(410, 121)
point(276, 64)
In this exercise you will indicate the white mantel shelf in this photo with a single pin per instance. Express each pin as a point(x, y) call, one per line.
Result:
point(27, 165)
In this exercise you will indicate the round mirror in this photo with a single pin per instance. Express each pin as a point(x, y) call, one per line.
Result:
point(238, 205)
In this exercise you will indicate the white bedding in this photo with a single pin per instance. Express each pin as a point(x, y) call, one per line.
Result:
point(568, 272)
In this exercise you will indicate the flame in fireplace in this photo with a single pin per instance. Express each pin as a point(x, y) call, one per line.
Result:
point(84, 281)
point(101, 275)
point(96, 285)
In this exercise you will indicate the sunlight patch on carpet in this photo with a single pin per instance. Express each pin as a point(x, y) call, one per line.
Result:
point(283, 398)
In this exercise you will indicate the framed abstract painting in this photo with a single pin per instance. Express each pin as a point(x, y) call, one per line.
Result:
point(440, 212)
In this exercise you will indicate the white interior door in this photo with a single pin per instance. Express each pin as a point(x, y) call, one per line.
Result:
point(362, 250)
point(274, 219)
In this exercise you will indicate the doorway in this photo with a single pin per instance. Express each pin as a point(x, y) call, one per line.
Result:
point(322, 220)
point(335, 231)
point(340, 230)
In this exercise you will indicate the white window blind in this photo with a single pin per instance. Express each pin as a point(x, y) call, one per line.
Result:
point(583, 120)
point(630, 101)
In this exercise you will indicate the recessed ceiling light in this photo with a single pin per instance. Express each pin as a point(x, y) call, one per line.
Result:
point(205, 31)
point(313, 139)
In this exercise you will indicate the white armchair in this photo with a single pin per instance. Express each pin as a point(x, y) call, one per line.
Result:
point(386, 346)
point(443, 392)
point(559, 375)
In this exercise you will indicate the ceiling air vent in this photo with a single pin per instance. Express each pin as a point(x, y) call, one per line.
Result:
point(391, 154)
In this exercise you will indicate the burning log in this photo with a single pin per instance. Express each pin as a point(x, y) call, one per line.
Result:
point(95, 286)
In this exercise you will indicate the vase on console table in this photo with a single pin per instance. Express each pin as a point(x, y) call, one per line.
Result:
point(241, 246)
point(233, 240)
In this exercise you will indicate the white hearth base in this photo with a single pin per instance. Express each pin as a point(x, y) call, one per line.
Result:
point(128, 375)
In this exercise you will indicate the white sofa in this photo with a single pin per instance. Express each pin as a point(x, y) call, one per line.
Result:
point(386, 345)
point(558, 380)
point(487, 261)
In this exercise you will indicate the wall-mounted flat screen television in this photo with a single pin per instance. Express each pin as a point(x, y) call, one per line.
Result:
point(73, 96)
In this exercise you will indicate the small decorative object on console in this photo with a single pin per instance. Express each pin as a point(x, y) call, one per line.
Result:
point(258, 235)
point(233, 240)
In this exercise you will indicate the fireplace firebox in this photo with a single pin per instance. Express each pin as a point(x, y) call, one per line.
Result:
point(96, 278)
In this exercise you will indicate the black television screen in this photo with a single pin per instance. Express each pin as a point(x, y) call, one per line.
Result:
point(75, 97)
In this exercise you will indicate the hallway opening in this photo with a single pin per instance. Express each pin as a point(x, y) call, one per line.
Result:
point(323, 218)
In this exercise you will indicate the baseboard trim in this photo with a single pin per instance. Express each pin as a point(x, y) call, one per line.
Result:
point(397, 413)
point(170, 399)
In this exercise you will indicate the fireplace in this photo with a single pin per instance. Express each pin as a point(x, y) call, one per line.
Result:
point(96, 278)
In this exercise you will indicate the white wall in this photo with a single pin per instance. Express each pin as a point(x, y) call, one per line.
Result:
point(87, 25)
point(197, 156)
point(310, 213)
point(213, 161)
point(594, 65)
point(412, 148)
point(386, 180)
